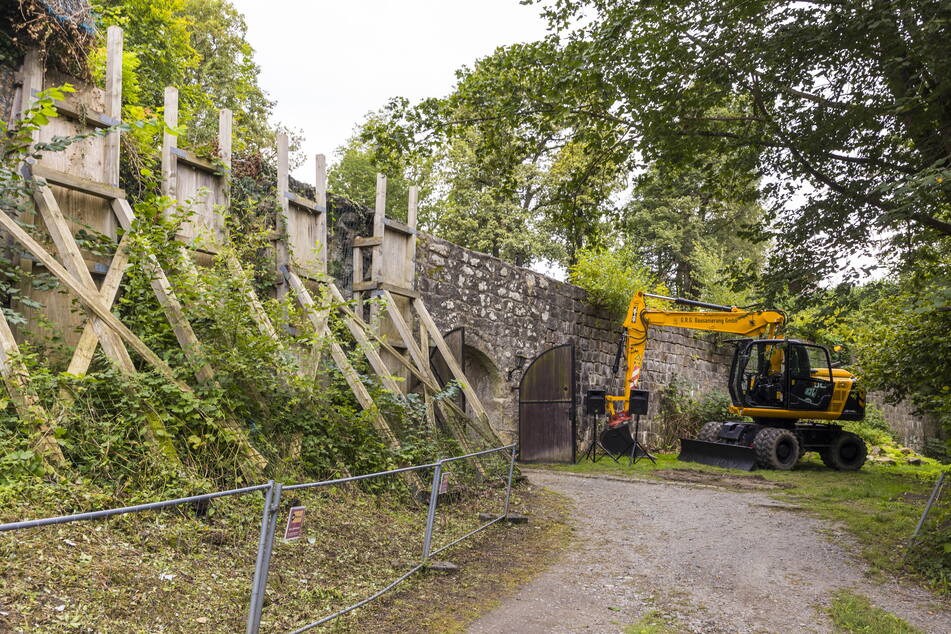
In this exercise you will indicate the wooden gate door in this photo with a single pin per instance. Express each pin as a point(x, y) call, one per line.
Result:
point(546, 407)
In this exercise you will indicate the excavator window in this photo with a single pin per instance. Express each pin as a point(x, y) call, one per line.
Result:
point(781, 374)
point(759, 374)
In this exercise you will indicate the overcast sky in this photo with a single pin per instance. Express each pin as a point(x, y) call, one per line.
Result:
point(326, 64)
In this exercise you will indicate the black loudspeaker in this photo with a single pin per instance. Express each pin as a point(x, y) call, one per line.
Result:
point(637, 406)
point(617, 441)
point(594, 403)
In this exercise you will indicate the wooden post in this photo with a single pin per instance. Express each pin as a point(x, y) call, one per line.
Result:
point(169, 141)
point(32, 76)
point(321, 220)
point(411, 212)
point(379, 220)
point(113, 103)
point(225, 123)
point(281, 250)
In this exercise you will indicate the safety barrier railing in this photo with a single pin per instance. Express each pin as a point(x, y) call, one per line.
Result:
point(266, 539)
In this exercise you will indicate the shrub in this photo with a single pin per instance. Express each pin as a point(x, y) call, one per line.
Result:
point(681, 416)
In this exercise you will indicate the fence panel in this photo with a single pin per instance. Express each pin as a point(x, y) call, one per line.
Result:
point(130, 568)
point(334, 562)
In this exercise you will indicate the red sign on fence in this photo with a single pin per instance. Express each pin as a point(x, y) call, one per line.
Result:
point(295, 523)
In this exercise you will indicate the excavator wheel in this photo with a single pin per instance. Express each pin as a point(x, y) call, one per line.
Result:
point(710, 431)
point(846, 453)
point(776, 448)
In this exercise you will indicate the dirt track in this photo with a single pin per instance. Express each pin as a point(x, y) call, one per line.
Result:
point(716, 560)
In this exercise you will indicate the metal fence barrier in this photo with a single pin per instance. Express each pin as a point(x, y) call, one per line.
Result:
point(273, 491)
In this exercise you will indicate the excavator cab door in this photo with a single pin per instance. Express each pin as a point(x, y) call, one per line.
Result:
point(810, 377)
point(758, 374)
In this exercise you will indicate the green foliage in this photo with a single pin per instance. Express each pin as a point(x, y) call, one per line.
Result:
point(611, 278)
point(842, 103)
point(517, 183)
point(199, 47)
point(354, 177)
point(680, 415)
point(873, 429)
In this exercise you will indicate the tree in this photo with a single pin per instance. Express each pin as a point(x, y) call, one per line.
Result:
point(694, 227)
point(522, 183)
point(846, 102)
point(199, 47)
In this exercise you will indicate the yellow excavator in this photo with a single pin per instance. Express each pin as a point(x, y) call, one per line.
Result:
point(788, 387)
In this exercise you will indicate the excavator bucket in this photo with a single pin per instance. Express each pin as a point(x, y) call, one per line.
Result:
point(717, 454)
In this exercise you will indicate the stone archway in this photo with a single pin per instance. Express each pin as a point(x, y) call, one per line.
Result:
point(490, 385)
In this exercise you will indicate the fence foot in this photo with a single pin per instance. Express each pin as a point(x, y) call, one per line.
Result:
point(446, 567)
point(511, 518)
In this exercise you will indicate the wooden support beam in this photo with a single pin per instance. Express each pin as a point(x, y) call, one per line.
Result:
point(300, 201)
point(473, 399)
point(190, 158)
point(68, 249)
point(367, 242)
point(399, 227)
point(376, 361)
point(169, 302)
point(426, 376)
point(83, 353)
point(76, 183)
point(90, 300)
point(427, 368)
point(258, 314)
point(415, 353)
point(69, 108)
point(342, 362)
point(384, 286)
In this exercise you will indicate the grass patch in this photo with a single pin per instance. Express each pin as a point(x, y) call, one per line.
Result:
point(174, 572)
point(854, 614)
point(654, 623)
point(879, 505)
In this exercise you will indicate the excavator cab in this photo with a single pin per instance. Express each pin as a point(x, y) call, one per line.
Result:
point(781, 374)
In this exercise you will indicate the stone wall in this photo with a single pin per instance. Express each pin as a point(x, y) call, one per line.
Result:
point(512, 314)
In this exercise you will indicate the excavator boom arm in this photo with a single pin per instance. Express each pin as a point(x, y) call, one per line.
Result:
point(728, 319)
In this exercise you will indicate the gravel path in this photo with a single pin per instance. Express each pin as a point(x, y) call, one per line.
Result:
point(716, 560)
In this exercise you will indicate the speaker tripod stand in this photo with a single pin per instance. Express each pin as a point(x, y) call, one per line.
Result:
point(637, 449)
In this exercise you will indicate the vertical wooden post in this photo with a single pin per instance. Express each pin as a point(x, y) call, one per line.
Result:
point(32, 74)
point(225, 123)
point(321, 220)
point(379, 220)
point(409, 272)
point(281, 251)
point(113, 103)
point(169, 141)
